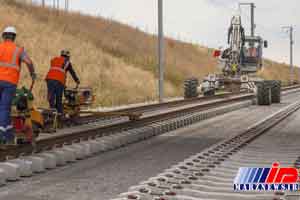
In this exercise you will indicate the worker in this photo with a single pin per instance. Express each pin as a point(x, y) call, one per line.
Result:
point(11, 57)
point(56, 79)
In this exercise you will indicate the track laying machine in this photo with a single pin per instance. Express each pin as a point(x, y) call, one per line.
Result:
point(239, 64)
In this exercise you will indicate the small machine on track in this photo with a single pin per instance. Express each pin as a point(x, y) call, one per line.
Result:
point(77, 103)
point(76, 100)
point(239, 64)
point(25, 117)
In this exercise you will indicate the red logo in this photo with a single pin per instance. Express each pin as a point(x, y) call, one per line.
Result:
point(282, 175)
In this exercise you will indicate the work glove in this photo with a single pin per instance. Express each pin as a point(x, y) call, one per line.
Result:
point(33, 76)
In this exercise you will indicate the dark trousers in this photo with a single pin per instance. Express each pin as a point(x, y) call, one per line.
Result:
point(7, 93)
point(55, 95)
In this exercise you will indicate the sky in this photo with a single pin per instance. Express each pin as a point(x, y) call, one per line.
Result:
point(205, 21)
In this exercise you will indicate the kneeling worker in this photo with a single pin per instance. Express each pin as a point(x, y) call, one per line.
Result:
point(11, 57)
point(56, 79)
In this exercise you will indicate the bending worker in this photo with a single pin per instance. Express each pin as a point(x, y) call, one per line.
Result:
point(11, 57)
point(56, 79)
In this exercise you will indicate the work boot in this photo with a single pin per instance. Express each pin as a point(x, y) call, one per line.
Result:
point(60, 120)
point(2, 138)
point(9, 136)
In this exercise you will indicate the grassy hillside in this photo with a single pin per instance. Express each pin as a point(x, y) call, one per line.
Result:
point(118, 61)
point(278, 71)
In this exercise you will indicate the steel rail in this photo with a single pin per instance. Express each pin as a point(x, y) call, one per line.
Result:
point(156, 106)
point(168, 104)
point(181, 102)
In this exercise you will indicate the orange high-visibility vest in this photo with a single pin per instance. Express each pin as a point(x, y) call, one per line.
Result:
point(58, 70)
point(10, 65)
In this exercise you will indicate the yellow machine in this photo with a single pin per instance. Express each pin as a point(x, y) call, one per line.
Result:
point(78, 100)
point(44, 120)
point(25, 117)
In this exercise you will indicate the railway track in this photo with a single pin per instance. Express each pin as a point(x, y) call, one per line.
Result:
point(99, 131)
point(210, 174)
point(152, 107)
point(170, 106)
point(81, 142)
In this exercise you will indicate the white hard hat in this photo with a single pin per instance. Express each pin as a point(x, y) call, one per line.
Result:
point(10, 29)
point(65, 52)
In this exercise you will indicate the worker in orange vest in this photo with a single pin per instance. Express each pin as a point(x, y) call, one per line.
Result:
point(11, 57)
point(56, 79)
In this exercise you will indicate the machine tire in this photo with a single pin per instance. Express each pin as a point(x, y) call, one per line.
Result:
point(209, 93)
point(190, 88)
point(264, 97)
point(276, 92)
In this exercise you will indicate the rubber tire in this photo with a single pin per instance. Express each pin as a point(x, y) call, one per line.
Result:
point(264, 97)
point(191, 88)
point(209, 93)
point(276, 92)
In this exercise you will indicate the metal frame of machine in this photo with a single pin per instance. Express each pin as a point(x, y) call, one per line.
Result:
point(239, 64)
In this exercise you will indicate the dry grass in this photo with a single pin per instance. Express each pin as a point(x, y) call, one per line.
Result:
point(276, 71)
point(127, 43)
point(117, 60)
point(115, 81)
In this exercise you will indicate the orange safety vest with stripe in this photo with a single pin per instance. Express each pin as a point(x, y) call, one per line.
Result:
point(58, 70)
point(10, 62)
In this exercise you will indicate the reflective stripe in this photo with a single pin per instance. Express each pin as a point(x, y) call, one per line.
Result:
point(9, 65)
point(15, 56)
point(9, 127)
point(58, 69)
point(66, 65)
point(62, 69)
point(13, 64)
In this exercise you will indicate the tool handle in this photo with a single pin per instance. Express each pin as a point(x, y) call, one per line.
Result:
point(32, 85)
